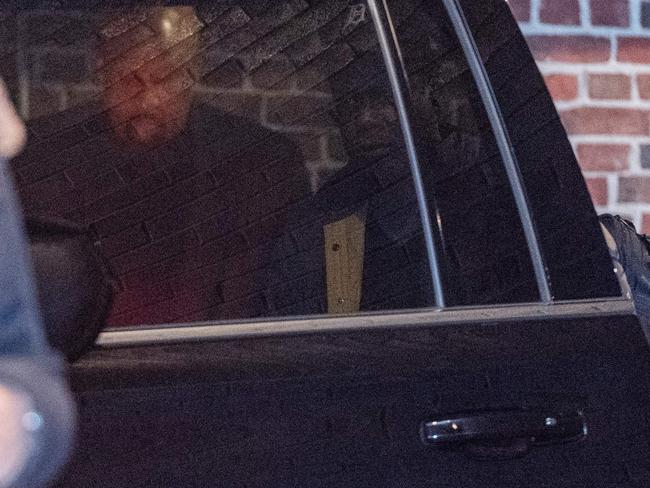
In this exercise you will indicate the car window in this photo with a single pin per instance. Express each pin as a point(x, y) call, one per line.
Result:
point(576, 258)
point(242, 159)
point(484, 252)
point(232, 159)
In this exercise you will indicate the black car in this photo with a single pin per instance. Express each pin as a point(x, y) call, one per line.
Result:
point(351, 241)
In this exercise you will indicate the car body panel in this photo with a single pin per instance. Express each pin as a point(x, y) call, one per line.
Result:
point(308, 401)
point(345, 409)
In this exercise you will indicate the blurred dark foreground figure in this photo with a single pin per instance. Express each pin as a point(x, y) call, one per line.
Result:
point(75, 287)
point(632, 251)
point(36, 409)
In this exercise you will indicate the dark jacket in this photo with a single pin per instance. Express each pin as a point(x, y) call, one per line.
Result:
point(184, 226)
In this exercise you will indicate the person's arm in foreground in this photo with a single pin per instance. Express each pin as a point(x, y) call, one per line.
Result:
point(36, 409)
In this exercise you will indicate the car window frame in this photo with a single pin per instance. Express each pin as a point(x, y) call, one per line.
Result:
point(546, 308)
point(282, 326)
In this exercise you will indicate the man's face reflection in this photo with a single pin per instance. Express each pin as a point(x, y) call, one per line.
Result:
point(369, 123)
point(147, 95)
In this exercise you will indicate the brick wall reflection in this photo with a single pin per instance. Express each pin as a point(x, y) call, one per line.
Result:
point(50, 64)
point(276, 66)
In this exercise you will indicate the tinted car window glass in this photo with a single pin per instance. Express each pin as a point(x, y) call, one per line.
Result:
point(484, 253)
point(574, 251)
point(233, 159)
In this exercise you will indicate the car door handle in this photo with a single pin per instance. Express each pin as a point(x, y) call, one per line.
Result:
point(504, 434)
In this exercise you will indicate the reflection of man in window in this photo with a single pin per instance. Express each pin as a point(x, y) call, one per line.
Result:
point(183, 197)
point(367, 213)
point(147, 100)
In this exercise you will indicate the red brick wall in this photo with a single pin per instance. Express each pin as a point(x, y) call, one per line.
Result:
point(595, 56)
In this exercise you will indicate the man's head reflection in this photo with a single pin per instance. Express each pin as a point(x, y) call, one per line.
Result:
point(369, 123)
point(146, 73)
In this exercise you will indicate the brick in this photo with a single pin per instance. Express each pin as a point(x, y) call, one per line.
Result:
point(307, 49)
point(129, 62)
point(276, 14)
point(610, 87)
point(603, 157)
point(293, 31)
point(149, 184)
point(598, 189)
point(520, 9)
point(85, 196)
point(143, 55)
point(248, 307)
point(274, 73)
point(178, 58)
point(634, 50)
point(618, 121)
point(102, 185)
point(120, 44)
point(228, 75)
point(243, 104)
point(46, 189)
point(570, 49)
point(643, 82)
point(123, 23)
point(229, 22)
point(178, 244)
point(560, 12)
point(364, 39)
point(299, 110)
point(324, 66)
point(562, 87)
point(124, 241)
point(296, 291)
point(158, 204)
point(242, 38)
point(634, 189)
point(209, 12)
point(103, 207)
point(182, 217)
point(610, 12)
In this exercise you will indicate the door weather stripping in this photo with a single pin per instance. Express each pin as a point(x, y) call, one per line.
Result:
point(201, 332)
point(503, 141)
point(397, 83)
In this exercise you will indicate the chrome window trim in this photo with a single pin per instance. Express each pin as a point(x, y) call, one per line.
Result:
point(484, 85)
point(212, 331)
point(397, 79)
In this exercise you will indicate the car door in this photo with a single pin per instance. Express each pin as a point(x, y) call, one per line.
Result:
point(365, 257)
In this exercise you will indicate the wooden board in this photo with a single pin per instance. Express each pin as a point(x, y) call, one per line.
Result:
point(344, 249)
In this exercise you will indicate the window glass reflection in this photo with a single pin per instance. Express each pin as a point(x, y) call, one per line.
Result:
point(484, 253)
point(232, 159)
